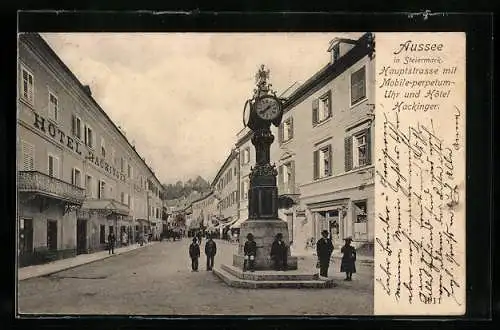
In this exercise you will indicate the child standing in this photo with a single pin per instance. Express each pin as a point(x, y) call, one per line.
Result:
point(250, 251)
point(348, 259)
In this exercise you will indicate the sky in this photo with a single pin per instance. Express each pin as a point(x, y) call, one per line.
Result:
point(179, 96)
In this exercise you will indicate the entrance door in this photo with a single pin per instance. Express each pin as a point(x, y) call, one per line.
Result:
point(25, 236)
point(52, 234)
point(81, 236)
point(334, 224)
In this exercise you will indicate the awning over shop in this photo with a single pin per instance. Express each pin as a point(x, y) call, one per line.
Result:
point(108, 205)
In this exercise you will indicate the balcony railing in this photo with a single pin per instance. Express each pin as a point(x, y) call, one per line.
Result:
point(37, 182)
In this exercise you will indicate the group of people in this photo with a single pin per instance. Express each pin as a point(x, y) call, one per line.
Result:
point(279, 254)
point(324, 250)
point(210, 252)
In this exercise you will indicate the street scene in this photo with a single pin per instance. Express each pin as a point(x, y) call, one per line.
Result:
point(157, 280)
point(196, 174)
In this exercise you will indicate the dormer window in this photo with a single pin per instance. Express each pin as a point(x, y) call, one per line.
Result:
point(335, 52)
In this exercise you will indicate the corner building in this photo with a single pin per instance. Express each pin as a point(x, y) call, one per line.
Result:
point(323, 150)
point(78, 176)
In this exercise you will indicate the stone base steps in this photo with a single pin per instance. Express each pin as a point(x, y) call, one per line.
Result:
point(268, 279)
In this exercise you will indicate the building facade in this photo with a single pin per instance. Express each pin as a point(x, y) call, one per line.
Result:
point(246, 152)
point(79, 178)
point(225, 189)
point(323, 150)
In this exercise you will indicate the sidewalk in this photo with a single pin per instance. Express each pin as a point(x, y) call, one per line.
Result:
point(82, 259)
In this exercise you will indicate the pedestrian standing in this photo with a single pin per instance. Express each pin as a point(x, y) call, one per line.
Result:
point(324, 249)
point(111, 242)
point(279, 253)
point(210, 251)
point(194, 254)
point(250, 251)
point(348, 265)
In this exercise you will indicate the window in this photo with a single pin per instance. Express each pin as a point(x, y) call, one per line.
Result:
point(113, 156)
point(76, 126)
point(122, 164)
point(286, 177)
point(128, 200)
point(122, 197)
point(89, 136)
point(101, 192)
point(286, 130)
point(76, 177)
point(358, 150)
point(27, 86)
point(323, 162)
point(129, 171)
point(53, 166)
point(246, 156)
point(358, 86)
point(244, 189)
point(28, 156)
point(88, 186)
point(103, 147)
point(235, 171)
point(322, 108)
point(53, 107)
point(360, 220)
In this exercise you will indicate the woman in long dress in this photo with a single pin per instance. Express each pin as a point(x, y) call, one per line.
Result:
point(348, 265)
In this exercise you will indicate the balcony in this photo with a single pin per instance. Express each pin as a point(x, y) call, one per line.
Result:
point(288, 195)
point(105, 207)
point(41, 184)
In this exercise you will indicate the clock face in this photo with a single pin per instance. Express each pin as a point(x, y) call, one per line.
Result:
point(267, 108)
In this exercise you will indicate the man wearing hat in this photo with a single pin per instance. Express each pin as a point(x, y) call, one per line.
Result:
point(250, 251)
point(347, 265)
point(279, 253)
point(194, 254)
point(324, 249)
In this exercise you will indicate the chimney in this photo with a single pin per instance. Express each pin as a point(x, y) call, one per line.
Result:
point(87, 90)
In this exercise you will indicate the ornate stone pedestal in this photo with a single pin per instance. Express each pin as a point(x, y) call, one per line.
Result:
point(264, 232)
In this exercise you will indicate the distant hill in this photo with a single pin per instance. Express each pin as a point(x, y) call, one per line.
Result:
point(184, 189)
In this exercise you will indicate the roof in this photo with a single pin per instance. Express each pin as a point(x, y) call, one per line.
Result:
point(36, 39)
point(224, 166)
point(363, 47)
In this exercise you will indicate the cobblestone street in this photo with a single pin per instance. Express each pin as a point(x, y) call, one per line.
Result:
point(157, 280)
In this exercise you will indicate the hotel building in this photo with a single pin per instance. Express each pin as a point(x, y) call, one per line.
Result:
point(78, 176)
point(323, 149)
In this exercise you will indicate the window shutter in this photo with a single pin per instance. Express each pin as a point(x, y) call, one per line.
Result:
point(28, 156)
point(348, 153)
point(85, 134)
point(330, 101)
point(73, 125)
point(73, 176)
point(368, 146)
point(281, 133)
point(315, 108)
point(330, 159)
point(292, 176)
point(98, 188)
point(56, 167)
point(316, 164)
point(291, 128)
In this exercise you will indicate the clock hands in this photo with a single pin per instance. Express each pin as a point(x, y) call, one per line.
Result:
point(265, 109)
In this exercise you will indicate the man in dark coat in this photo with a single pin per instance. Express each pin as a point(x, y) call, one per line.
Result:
point(279, 253)
point(250, 251)
point(111, 242)
point(194, 254)
point(324, 249)
point(348, 265)
point(210, 251)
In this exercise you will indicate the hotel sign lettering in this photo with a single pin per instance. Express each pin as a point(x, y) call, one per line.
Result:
point(74, 145)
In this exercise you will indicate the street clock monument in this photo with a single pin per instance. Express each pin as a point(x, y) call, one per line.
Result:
point(259, 113)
